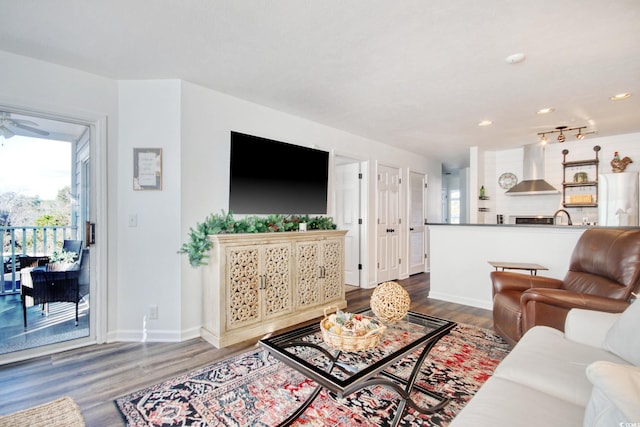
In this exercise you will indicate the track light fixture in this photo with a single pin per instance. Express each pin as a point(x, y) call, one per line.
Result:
point(561, 131)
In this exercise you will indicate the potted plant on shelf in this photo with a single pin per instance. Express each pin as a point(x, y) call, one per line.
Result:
point(199, 243)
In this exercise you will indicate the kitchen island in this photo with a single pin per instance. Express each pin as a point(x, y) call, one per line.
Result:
point(460, 255)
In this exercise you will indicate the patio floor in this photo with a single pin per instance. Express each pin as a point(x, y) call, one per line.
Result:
point(58, 326)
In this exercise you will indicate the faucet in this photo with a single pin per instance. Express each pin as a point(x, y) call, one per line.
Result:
point(562, 210)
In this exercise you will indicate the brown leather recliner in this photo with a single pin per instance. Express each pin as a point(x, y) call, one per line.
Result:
point(604, 275)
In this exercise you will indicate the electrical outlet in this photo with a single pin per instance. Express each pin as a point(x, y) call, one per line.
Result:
point(153, 312)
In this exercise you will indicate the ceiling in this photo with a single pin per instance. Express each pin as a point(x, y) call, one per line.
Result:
point(415, 74)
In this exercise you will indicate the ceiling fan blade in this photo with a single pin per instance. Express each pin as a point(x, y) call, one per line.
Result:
point(30, 129)
point(23, 122)
point(6, 132)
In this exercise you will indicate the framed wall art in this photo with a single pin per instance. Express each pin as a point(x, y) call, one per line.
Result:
point(147, 168)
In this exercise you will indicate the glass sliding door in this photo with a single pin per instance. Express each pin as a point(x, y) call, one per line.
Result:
point(44, 201)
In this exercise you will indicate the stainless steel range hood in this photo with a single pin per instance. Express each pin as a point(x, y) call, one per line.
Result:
point(533, 182)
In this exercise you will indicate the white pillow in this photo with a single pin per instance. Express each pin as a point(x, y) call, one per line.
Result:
point(623, 338)
point(615, 399)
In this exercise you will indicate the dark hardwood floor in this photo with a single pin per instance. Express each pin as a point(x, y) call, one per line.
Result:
point(94, 376)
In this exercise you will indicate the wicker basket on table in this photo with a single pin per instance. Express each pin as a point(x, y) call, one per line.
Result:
point(347, 340)
point(390, 302)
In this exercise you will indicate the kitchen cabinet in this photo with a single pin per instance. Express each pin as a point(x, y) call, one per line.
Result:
point(258, 283)
point(580, 181)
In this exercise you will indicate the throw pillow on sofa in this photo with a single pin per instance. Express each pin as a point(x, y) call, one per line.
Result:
point(615, 398)
point(622, 338)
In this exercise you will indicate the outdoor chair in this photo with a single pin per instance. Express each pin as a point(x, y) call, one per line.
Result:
point(55, 286)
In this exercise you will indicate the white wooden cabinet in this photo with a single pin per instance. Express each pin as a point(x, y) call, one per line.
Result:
point(255, 284)
point(319, 271)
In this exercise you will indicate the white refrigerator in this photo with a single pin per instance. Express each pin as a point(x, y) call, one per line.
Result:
point(618, 201)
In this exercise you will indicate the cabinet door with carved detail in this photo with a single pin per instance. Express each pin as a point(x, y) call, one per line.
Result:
point(319, 272)
point(308, 274)
point(276, 273)
point(243, 283)
point(258, 283)
point(332, 270)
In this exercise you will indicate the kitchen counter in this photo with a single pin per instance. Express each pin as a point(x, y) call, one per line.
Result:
point(460, 255)
point(536, 226)
point(517, 225)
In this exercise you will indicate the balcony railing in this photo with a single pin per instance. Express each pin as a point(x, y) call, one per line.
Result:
point(29, 240)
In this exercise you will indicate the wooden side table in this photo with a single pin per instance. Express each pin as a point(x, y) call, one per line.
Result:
point(531, 267)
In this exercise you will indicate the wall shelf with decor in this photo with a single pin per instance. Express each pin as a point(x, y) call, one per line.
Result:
point(580, 190)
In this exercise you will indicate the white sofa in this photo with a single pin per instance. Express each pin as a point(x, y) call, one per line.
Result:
point(587, 376)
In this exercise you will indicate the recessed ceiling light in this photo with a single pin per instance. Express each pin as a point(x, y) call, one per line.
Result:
point(515, 58)
point(546, 110)
point(485, 123)
point(620, 96)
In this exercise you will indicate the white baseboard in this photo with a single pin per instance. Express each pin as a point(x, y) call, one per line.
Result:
point(151, 336)
point(473, 302)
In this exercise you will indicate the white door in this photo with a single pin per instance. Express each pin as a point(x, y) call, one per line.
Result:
point(388, 267)
point(417, 218)
point(347, 193)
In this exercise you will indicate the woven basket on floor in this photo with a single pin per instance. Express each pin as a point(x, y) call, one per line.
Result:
point(350, 342)
point(390, 302)
point(63, 412)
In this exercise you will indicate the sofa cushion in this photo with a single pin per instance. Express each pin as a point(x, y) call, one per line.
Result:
point(501, 402)
point(615, 399)
point(547, 362)
point(588, 326)
point(623, 338)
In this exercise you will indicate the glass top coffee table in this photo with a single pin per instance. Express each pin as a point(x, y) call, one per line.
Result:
point(343, 373)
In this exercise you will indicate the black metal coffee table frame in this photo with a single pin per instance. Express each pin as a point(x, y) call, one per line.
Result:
point(373, 374)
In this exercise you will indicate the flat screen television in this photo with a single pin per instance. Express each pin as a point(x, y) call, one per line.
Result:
point(274, 177)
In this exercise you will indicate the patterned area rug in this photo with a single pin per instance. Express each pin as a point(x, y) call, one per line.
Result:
point(254, 389)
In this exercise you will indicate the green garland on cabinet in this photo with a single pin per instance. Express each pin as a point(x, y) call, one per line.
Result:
point(224, 223)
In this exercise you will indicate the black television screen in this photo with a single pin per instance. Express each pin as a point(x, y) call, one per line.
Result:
point(273, 177)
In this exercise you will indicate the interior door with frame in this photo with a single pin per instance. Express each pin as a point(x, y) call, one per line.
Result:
point(347, 203)
point(388, 224)
point(417, 218)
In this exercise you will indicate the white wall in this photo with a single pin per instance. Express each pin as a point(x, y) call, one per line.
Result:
point(148, 266)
